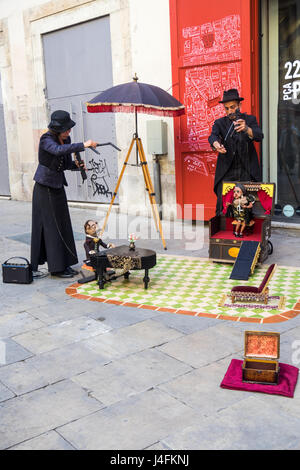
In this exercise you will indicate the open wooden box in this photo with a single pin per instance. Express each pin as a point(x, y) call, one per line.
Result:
point(261, 357)
point(223, 245)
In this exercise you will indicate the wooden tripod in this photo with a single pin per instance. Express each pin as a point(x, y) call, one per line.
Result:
point(148, 183)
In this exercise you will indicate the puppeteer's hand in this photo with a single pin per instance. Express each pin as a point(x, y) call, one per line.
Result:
point(111, 245)
point(240, 125)
point(90, 143)
point(80, 165)
point(219, 147)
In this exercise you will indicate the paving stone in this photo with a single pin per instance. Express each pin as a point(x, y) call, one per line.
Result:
point(188, 410)
point(157, 446)
point(117, 316)
point(49, 441)
point(135, 423)
point(22, 378)
point(25, 417)
point(250, 424)
point(133, 338)
point(281, 327)
point(133, 374)
point(204, 347)
point(66, 362)
point(61, 334)
point(289, 406)
point(24, 299)
point(59, 311)
point(197, 388)
point(14, 323)
point(12, 352)
point(5, 393)
point(185, 323)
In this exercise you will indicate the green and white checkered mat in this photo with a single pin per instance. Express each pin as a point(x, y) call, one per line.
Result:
point(198, 287)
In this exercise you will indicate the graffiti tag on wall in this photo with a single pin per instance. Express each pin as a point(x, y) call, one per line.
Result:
point(99, 176)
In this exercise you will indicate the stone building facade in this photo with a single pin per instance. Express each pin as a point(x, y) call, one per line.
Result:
point(139, 42)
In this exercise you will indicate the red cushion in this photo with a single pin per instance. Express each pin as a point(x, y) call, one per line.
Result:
point(244, 289)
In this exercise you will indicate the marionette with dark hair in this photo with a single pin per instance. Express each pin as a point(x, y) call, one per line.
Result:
point(240, 209)
point(92, 240)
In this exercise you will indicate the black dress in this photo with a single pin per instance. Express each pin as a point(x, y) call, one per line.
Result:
point(52, 239)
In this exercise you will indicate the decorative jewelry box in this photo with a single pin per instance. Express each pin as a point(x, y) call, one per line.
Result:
point(261, 357)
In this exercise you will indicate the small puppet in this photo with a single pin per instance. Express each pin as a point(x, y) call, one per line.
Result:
point(92, 240)
point(241, 210)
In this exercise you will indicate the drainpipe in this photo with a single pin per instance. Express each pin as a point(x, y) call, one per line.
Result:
point(157, 183)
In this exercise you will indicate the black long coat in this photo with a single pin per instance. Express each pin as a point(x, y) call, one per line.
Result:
point(52, 237)
point(240, 146)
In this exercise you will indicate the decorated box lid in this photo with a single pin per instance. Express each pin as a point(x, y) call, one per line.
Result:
point(262, 344)
point(264, 194)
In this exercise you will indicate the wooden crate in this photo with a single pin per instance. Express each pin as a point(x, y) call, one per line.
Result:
point(223, 245)
point(260, 363)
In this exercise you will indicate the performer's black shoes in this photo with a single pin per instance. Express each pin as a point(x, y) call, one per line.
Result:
point(71, 270)
point(63, 274)
point(67, 273)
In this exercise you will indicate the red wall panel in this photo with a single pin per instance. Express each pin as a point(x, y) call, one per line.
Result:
point(212, 50)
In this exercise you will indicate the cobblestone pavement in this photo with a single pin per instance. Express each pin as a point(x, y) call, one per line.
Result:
point(86, 375)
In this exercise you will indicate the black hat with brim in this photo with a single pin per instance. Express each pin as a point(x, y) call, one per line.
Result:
point(60, 121)
point(231, 95)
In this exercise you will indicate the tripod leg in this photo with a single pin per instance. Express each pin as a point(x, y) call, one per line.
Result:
point(117, 187)
point(150, 189)
point(148, 183)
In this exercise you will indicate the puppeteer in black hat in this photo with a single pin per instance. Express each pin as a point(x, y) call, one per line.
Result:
point(52, 239)
point(232, 136)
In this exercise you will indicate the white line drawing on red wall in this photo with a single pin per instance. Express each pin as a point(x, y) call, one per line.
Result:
point(204, 164)
point(217, 41)
point(212, 57)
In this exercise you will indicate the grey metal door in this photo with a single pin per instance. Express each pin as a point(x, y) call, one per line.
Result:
point(78, 66)
point(4, 175)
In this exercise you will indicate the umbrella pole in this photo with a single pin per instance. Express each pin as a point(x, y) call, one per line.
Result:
point(148, 183)
point(150, 189)
point(136, 137)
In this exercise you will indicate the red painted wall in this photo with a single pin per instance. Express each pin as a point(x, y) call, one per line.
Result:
point(214, 47)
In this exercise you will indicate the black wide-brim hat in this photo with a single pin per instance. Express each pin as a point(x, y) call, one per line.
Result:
point(60, 121)
point(231, 95)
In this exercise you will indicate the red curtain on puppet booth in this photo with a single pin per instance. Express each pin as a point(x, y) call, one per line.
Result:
point(265, 200)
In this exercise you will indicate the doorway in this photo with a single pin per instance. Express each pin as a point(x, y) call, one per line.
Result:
point(281, 103)
point(78, 66)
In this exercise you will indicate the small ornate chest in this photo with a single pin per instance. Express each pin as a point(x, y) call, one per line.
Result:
point(261, 357)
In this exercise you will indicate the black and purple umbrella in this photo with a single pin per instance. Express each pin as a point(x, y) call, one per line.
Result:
point(134, 97)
